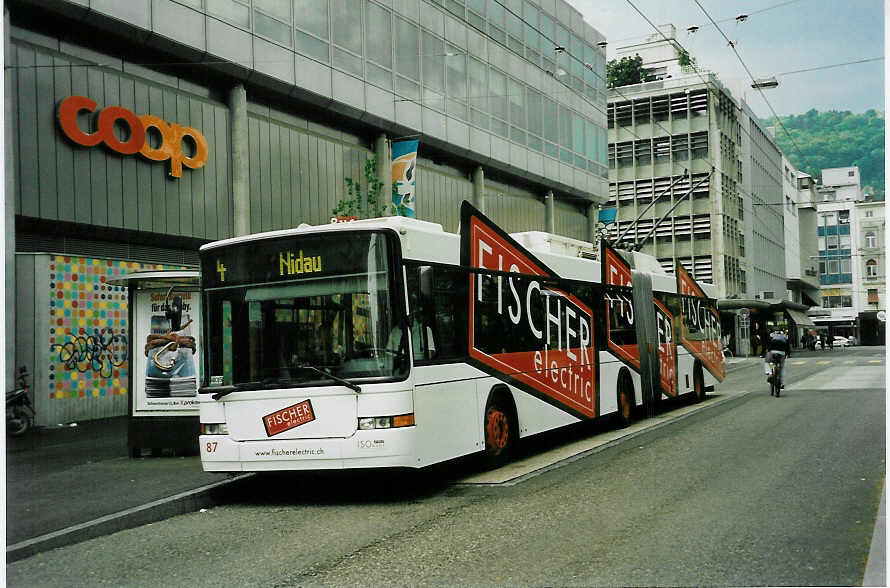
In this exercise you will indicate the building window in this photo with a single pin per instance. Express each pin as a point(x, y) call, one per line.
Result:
point(873, 296)
point(843, 217)
point(871, 269)
point(850, 174)
point(312, 33)
point(871, 239)
point(869, 213)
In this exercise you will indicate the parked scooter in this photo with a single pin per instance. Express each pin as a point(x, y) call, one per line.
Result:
point(19, 410)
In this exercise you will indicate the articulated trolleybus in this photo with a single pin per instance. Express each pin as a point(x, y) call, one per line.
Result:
point(391, 343)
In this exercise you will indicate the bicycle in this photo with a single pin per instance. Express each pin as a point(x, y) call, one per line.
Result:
point(775, 376)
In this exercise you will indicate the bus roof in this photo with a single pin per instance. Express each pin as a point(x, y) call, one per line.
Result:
point(428, 241)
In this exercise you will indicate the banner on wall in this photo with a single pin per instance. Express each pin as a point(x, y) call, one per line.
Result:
point(404, 168)
point(166, 355)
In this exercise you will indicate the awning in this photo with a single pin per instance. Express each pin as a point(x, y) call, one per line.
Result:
point(800, 318)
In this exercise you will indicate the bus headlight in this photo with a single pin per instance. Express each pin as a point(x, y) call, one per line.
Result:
point(214, 429)
point(388, 422)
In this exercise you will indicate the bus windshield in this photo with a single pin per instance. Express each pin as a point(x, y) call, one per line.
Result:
point(286, 312)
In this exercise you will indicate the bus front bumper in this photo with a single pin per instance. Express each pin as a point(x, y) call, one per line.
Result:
point(376, 448)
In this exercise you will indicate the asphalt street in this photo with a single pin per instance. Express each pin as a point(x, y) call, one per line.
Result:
point(753, 491)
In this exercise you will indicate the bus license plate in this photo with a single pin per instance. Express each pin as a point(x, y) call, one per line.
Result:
point(288, 418)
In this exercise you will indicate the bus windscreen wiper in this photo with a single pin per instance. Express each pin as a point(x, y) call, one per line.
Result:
point(329, 376)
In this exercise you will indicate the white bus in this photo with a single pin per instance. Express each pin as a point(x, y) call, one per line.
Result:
point(391, 343)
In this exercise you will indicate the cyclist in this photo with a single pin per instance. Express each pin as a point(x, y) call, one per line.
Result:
point(778, 349)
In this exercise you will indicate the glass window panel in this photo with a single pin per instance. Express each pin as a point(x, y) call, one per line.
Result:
point(456, 73)
point(433, 62)
point(496, 13)
point(565, 127)
point(232, 11)
point(516, 94)
point(271, 28)
point(821, 243)
point(551, 149)
point(407, 49)
point(832, 266)
point(551, 128)
point(535, 113)
point(517, 135)
point(566, 156)
point(499, 128)
point(497, 85)
point(280, 9)
point(378, 75)
point(455, 7)
point(590, 136)
point(477, 6)
point(480, 119)
point(845, 266)
point(347, 62)
point(531, 26)
point(312, 47)
point(312, 16)
point(845, 241)
point(478, 90)
point(604, 154)
point(457, 109)
point(577, 57)
point(563, 40)
point(346, 25)
point(535, 143)
point(380, 27)
point(407, 88)
point(577, 133)
point(546, 28)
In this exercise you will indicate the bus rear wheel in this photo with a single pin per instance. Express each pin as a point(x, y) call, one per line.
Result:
point(500, 433)
point(624, 416)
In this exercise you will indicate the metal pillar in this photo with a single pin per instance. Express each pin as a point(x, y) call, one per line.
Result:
point(479, 189)
point(240, 168)
point(550, 212)
point(384, 169)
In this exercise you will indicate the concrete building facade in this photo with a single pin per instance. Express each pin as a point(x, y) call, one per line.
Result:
point(871, 257)
point(255, 113)
point(839, 276)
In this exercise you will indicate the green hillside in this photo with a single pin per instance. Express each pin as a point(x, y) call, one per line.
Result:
point(835, 139)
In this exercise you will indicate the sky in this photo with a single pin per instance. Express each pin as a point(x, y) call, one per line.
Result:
point(779, 36)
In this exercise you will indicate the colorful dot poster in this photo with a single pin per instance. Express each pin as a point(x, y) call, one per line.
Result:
point(89, 351)
point(166, 355)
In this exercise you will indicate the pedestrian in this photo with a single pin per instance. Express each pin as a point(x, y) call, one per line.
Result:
point(803, 341)
point(830, 342)
point(755, 340)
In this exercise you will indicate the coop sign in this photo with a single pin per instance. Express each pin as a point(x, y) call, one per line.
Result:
point(137, 136)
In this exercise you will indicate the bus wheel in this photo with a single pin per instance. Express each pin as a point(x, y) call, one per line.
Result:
point(500, 432)
point(624, 416)
point(698, 383)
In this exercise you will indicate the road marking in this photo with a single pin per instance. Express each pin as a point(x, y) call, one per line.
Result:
point(875, 361)
point(823, 362)
point(849, 361)
point(799, 362)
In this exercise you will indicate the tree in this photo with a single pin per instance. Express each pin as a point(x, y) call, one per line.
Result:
point(684, 59)
point(835, 139)
point(359, 199)
point(627, 71)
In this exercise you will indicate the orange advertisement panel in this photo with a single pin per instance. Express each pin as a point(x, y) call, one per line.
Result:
point(700, 324)
point(523, 327)
point(667, 349)
point(621, 337)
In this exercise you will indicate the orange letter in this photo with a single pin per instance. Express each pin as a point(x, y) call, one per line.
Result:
point(68, 110)
point(106, 130)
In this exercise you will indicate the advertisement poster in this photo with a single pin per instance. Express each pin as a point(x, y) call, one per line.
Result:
point(166, 352)
point(404, 170)
point(524, 329)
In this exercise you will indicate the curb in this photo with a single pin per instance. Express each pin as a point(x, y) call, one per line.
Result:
point(182, 503)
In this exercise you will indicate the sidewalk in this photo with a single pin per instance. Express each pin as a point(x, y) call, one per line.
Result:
point(59, 478)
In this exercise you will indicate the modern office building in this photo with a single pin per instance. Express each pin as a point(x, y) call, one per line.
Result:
point(839, 276)
point(138, 130)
